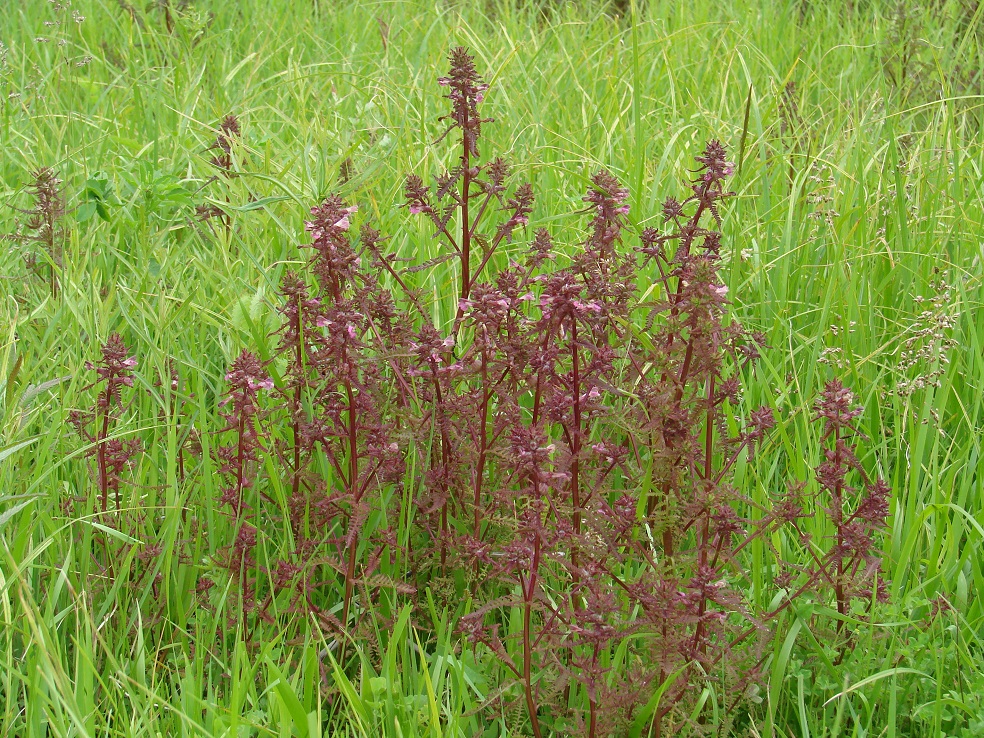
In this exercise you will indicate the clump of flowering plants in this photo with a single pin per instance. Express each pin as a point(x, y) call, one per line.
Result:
point(556, 464)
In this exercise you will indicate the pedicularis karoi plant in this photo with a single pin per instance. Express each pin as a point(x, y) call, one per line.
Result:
point(573, 435)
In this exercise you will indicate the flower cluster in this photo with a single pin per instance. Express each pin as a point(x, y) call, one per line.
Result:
point(246, 377)
point(851, 564)
point(113, 454)
point(229, 132)
point(455, 190)
point(44, 223)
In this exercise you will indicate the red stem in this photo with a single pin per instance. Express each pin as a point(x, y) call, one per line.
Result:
point(465, 225)
point(445, 459)
point(592, 703)
point(838, 507)
point(576, 445)
point(101, 452)
point(354, 495)
point(529, 592)
point(240, 462)
point(298, 377)
point(687, 235)
point(482, 450)
point(699, 644)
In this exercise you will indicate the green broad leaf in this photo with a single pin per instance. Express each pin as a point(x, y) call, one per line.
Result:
point(298, 714)
point(647, 712)
point(359, 706)
point(85, 211)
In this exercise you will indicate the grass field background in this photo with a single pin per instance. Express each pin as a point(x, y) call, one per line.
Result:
point(856, 243)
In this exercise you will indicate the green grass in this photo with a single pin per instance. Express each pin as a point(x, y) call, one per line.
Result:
point(842, 225)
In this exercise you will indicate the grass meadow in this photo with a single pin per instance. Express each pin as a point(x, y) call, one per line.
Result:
point(855, 243)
